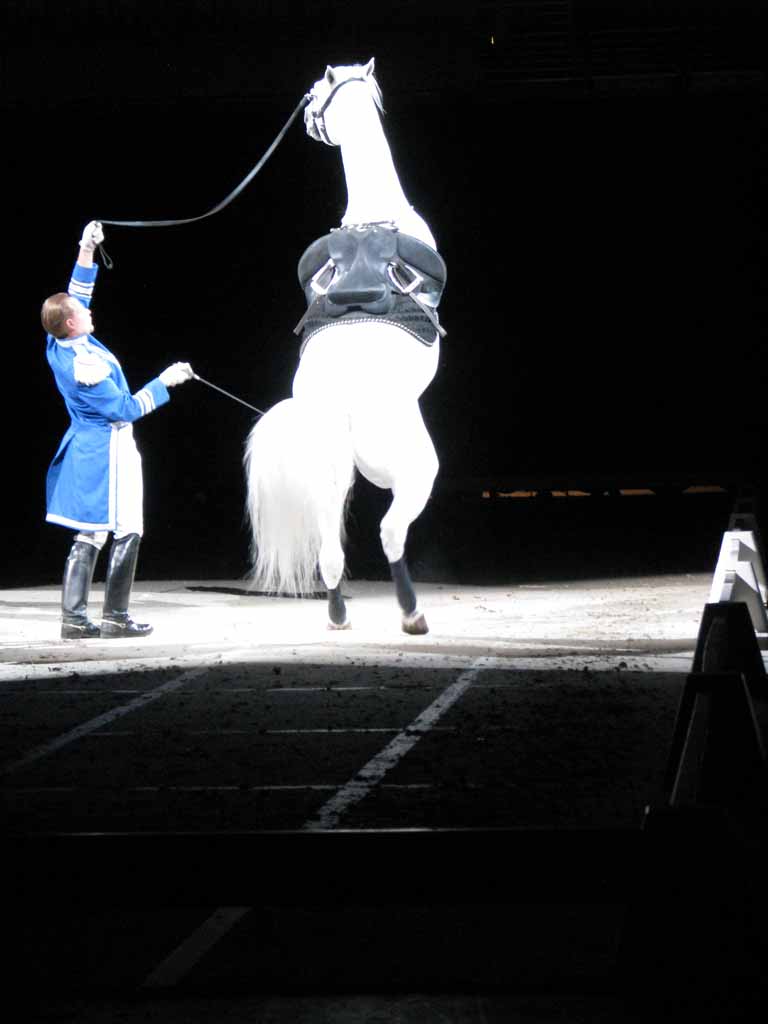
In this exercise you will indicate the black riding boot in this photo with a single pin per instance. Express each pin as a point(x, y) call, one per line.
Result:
point(78, 574)
point(115, 620)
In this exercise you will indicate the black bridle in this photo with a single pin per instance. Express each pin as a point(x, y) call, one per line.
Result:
point(318, 120)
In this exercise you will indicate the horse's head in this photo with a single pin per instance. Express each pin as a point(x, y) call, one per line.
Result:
point(324, 91)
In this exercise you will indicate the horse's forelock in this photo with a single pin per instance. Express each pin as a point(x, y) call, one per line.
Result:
point(343, 73)
point(324, 86)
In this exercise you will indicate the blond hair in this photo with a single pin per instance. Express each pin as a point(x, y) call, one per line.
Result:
point(55, 312)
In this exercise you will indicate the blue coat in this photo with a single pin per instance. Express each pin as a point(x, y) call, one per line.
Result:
point(82, 479)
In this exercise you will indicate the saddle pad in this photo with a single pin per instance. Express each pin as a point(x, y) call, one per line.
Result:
point(404, 315)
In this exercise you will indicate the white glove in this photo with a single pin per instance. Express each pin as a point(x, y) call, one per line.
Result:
point(175, 374)
point(93, 235)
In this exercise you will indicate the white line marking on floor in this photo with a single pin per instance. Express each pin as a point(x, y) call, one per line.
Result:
point(45, 749)
point(184, 957)
point(328, 731)
point(297, 787)
point(292, 732)
point(371, 774)
point(15, 694)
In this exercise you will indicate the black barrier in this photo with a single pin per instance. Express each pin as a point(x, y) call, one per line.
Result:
point(716, 755)
point(727, 642)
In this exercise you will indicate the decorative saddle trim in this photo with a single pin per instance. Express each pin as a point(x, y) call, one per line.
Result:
point(364, 270)
point(404, 316)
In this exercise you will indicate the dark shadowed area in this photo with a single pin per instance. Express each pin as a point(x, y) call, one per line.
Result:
point(247, 818)
point(594, 175)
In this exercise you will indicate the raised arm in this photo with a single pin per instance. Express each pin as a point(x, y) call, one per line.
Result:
point(93, 235)
point(84, 274)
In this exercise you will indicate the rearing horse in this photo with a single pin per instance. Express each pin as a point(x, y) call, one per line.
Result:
point(371, 345)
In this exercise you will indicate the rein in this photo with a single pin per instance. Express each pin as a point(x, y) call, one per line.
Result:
point(232, 195)
point(209, 213)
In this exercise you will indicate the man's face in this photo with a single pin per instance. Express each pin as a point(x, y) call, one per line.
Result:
point(79, 320)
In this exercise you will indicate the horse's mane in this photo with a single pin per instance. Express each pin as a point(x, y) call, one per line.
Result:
point(376, 93)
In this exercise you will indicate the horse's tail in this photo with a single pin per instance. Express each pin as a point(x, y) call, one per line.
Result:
point(299, 470)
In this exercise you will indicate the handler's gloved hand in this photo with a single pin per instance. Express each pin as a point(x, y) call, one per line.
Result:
point(93, 235)
point(176, 373)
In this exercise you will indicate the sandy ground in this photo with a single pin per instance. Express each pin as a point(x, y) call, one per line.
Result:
point(639, 623)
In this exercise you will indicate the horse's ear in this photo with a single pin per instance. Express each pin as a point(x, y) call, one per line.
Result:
point(369, 66)
point(329, 75)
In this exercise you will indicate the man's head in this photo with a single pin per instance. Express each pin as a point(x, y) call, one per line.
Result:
point(65, 317)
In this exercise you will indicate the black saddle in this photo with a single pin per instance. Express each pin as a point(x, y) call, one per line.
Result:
point(366, 267)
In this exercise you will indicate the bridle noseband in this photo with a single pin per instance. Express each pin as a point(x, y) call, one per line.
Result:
point(318, 120)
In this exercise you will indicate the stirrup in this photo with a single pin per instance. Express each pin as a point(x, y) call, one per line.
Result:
point(124, 626)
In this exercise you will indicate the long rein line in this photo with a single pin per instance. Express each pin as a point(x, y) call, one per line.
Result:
point(232, 195)
point(209, 213)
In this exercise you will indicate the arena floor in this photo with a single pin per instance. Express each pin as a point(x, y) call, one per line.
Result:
point(160, 797)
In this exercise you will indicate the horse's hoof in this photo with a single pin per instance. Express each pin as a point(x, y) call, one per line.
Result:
point(347, 624)
point(415, 624)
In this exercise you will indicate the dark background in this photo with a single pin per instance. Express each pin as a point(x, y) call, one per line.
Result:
point(594, 173)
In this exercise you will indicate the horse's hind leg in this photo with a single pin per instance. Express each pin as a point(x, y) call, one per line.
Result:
point(332, 570)
point(331, 560)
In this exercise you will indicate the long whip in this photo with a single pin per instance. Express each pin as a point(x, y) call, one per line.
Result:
point(227, 393)
point(209, 213)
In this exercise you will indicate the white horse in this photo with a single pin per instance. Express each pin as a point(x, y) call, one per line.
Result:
point(355, 391)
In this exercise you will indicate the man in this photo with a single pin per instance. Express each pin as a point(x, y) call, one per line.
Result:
point(94, 484)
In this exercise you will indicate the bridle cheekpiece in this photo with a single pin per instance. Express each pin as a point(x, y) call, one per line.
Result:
point(315, 120)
